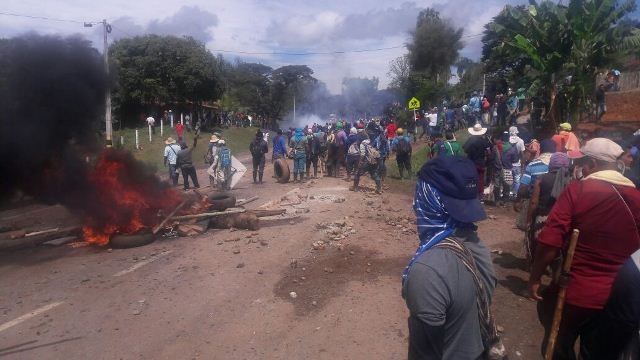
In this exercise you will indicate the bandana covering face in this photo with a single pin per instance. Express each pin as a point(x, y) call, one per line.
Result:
point(434, 222)
point(299, 134)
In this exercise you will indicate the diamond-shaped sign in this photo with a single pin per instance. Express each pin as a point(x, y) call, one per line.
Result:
point(414, 103)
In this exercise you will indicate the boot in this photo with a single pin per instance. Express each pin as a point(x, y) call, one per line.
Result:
point(401, 170)
point(378, 187)
point(260, 177)
point(255, 174)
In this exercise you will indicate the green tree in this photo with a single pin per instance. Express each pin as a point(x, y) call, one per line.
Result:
point(153, 70)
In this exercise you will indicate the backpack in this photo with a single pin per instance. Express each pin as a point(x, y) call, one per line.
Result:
point(321, 143)
point(254, 148)
point(372, 154)
point(225, 157)
point(354, 149)
point(403, 147)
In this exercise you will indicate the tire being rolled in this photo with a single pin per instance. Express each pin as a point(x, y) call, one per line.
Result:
point(130, 241)
point(221, 201)
point(281, 170)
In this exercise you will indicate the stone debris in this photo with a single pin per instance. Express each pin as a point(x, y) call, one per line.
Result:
point(236, 252)
point(240, 266)
point(337, 230)
point(293, 295)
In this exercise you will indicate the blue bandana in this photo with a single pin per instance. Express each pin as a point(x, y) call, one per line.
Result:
point(299, 134)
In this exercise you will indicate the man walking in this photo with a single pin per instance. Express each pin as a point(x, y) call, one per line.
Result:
point(185, 163)
point(298, 145)
point(477, 148)
point(170, 158)
point(368, 162)
point(179, 131)
point(605, 207)
point(449, 282)
point(402, 148)
point(258, 149)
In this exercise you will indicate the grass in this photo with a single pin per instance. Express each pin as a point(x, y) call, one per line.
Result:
point(238, 140)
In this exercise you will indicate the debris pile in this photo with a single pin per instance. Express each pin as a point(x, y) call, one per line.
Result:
point(334, 231)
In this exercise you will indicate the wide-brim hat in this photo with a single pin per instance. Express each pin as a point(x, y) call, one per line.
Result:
point(170, 141)
point(477, 129)
point(221, 142)
point(598, 148)
point(456, 179)
point(214, 138)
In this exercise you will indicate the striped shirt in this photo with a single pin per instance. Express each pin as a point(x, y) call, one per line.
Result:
point(537, 167)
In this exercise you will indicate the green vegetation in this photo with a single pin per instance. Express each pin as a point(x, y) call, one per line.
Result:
point(237, 139)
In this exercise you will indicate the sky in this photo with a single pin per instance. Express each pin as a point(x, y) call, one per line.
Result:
point(262, 30)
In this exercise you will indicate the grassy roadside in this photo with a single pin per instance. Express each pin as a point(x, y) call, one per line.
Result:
point(238, 140)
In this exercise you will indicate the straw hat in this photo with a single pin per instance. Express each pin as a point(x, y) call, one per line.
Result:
point(214, 138)
point(477, 129)
point(169, 141)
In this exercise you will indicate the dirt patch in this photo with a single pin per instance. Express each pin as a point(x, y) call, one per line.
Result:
point(317, 279)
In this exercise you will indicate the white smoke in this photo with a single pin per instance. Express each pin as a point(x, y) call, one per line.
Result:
point(302, 120)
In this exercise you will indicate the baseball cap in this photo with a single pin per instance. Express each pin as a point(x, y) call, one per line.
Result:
point(598, 148)
point(456, 179)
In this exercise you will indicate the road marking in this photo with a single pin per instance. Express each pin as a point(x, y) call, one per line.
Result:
point(141, 264)
point(28, 316)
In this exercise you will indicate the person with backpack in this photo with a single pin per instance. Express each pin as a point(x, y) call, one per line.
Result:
point(222, 162)
point(171, 158)
point(402, 148)
point(298, 145)
point(368, 162)
point(450, 146)
point(313, 150)
point(258, 148)
point(353, 152)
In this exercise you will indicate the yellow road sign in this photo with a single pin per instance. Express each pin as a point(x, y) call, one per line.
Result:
point(414, 103)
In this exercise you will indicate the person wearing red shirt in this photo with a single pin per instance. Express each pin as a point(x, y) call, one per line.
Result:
point(605, 207)
point(179, 131)
point(391, 130)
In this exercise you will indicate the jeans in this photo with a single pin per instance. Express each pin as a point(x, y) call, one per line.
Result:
point(298, 163)
point(404, 162)
point(517, 173)
point(312, 159)
point(189, 171)
point(481, 172)
point(372, 169)
point(173, 175)
point(352, 164)
point(258, 167)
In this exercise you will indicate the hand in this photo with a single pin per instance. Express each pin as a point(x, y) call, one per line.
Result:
point(534, 288)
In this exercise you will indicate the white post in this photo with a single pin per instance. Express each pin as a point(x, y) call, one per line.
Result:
point(484, 81)
point(149, 132)
point(161, 128)
point(171, 117)
point(137, 140)
point(294, 110)
point(107, 101)
point(182, 118)
point(121, 140)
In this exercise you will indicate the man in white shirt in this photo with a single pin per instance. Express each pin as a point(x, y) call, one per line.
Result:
point(151, 122)
point(516, 141)
point(171, 158)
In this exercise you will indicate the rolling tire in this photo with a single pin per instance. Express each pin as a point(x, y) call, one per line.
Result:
point(131, 241)
point(281, 170)
point(221, 201)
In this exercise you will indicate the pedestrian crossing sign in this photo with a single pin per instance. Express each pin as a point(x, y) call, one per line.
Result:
point(414, 103)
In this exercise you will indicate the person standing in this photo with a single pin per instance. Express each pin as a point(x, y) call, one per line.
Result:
point(341, 149)
point(179, 131)
point(516, 141)
point(209, 157)
point(258, 149)
point(449, 282)
point(298, 145)
point(313, 150)
point(450, 146)
point(353, 152)
point(222, 163)
point(475, 104)
point(279, 146)
point(185, 163)
point(477, 148)
point(170, 159)
point(391, 131)
point(569, 139)
point(402, 148)
point(605, 207)
point(368, 163)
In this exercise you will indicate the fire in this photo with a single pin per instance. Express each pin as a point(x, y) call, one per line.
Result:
point(125, 198)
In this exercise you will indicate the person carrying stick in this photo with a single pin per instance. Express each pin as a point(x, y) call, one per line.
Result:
point(605, 207)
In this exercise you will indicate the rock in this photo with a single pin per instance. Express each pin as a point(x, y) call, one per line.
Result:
point(240, 266)
point(85, 279)
point(369, 203)
point(109, 250)
point(294, 263)
point(255, 234)
point(293, 295)
point(518, 353)
point(328, 270)
point(264, 242)
point(314, 303)
point(136, 312)
point(303, 210)
point(352, 252)
point(292, 222)
point(220, 242)
point(385, 201)
point(236, 252)
point(232, 229)
point(303, 278)
point(260, 272)
point(492, 217)
point(232, 239)
point(339, 200)
point(499, 328)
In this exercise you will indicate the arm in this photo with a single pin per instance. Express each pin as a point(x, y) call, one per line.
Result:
point(533, 205)
point(551, 239)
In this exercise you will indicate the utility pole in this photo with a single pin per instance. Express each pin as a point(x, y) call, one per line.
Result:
point(484, 83)
point(294, 110)
point(107, 96)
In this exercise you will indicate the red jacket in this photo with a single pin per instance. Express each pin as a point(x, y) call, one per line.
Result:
point(179, 129)
point(608, 236)
point(391, 131)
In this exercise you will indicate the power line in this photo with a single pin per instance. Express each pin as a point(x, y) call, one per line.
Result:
point(42, 18)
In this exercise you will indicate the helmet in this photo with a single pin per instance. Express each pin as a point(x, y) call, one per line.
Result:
point(399, 131)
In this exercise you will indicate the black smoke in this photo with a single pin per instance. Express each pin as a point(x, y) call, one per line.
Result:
point(51, 106)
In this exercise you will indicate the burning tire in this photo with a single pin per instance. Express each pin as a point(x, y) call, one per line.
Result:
point(281, 169)
point(131, 241)
point(221, 202)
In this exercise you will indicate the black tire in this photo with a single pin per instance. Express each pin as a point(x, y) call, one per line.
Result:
point(131, 241)
point(281, 170)
point(221, 201)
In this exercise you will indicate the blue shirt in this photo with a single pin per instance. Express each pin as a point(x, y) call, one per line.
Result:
point(537, 167)
point(171, 153)
point(279, 145)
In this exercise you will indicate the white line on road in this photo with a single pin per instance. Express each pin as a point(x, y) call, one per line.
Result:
point(141, 264)
point(28, 316)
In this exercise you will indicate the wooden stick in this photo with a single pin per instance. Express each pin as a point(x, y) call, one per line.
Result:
point(246, 201)
point(263, 213)
point(159, 226)
point(36, 233)
point(557, 315)
point(207, 215)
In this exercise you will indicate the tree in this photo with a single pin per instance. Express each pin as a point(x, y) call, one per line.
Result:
point(152, 70)
point(400, 73)
point(462, 65)
point(435, 46)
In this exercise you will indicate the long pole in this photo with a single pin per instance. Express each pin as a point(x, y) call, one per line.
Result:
point(107, 100)
point(137, 140)
point(161, 127)
point(150, 133)
point(564, 279)
point(484, 83)
point(294, 110)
